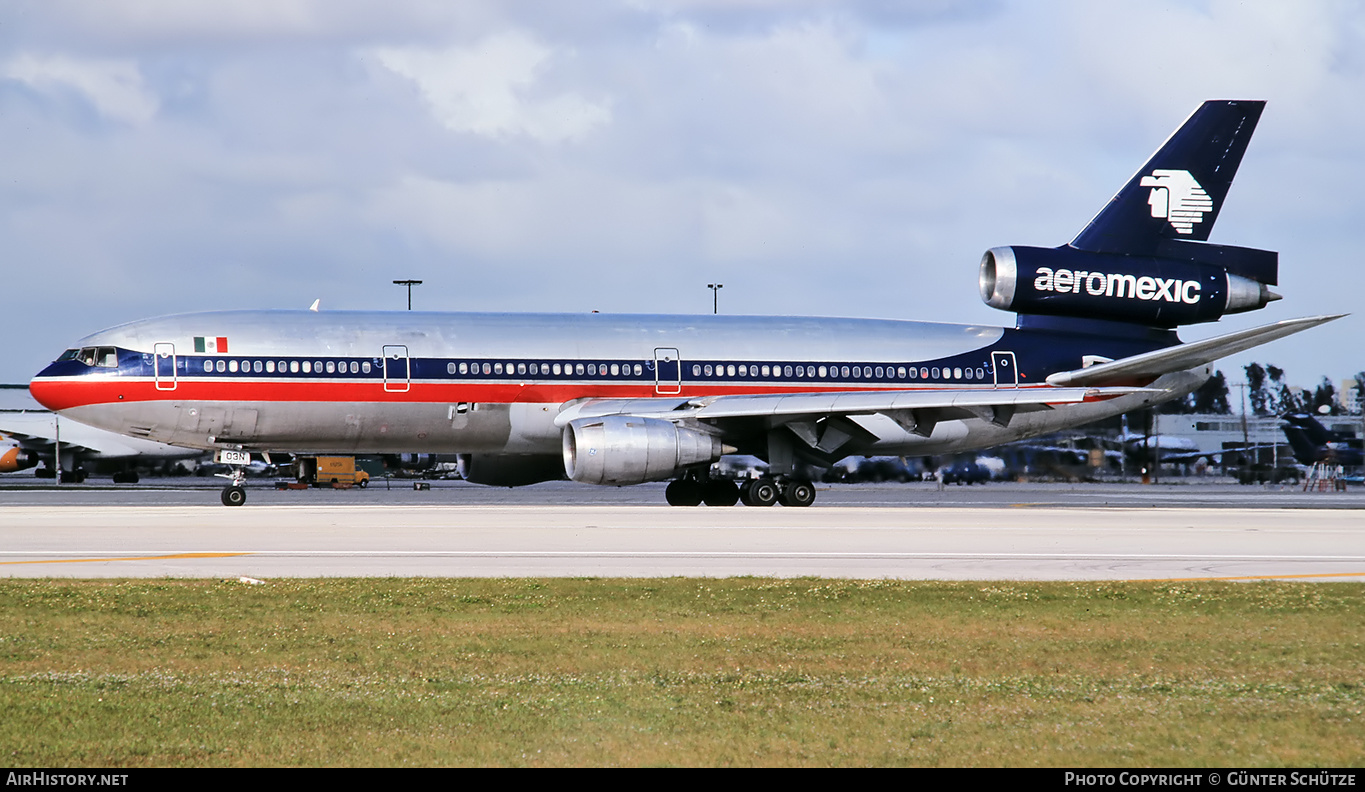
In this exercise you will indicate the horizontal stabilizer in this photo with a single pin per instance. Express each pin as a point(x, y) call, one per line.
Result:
point(1185, 356)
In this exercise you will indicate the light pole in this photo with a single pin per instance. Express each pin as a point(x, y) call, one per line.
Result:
point(409, 284)
point(715, 289)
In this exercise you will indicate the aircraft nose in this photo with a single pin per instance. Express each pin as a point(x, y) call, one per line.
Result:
point(54, 393)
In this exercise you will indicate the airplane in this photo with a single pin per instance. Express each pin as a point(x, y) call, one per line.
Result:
point(618, 400)
point(1313, 443)
point(28, 437)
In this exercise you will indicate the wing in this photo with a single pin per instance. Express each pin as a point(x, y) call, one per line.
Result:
point(916, 411)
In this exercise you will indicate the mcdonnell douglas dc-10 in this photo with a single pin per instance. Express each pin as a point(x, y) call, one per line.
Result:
point(619, 400)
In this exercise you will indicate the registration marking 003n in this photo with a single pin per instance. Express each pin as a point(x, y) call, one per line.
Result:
point(228, 456)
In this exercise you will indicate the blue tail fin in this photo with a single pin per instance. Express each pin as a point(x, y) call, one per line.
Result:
point(1145, 258)
point(1177, 195)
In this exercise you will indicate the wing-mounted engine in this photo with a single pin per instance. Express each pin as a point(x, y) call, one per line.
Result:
point(626, 449)
point(1192, 283)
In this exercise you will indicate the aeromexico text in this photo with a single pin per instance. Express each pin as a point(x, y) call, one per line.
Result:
point(1097, 284)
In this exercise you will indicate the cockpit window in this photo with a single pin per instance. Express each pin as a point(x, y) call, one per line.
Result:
point(103, 357)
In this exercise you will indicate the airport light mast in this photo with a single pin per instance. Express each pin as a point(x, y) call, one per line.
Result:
point(409, 284)
point(715, 290)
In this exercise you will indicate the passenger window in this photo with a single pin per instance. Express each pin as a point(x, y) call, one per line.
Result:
point(579, 369)
point(615, 369)
point(208, 365)
point(317, 366)
point(497, 368)
point(450, 368)
point(639, 370)
point(556, 369)
point(521, 368)
point(257, 366)
point(957, 373)
point(307, 367)
point(900, 372)
point(924, 373)
point(232, 366)
point(534, 369)
point(935, 372)
point(487, 369)
point(787, 371)
point(365, 367)
point(696, 370)
point(331, 367)
point(293, 367)
point(270, 367)
point(879, 372)
point(914, 373)
point(592, 369)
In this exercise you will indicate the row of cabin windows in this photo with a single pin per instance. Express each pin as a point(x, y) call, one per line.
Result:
point(233, 366)
point(845, 372)
point(547, 369)
point(292, 366)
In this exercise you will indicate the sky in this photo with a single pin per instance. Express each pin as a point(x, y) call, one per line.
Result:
point(817, 158)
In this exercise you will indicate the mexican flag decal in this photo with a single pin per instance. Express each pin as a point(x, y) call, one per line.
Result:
point(211, 344)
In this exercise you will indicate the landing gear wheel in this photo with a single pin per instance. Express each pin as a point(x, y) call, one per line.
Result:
point(234, 495)
point(798, 493)
point(720, 492)
point(683, 492)
point(760, 492)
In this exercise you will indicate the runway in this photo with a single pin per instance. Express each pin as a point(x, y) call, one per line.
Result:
point(1007, 539)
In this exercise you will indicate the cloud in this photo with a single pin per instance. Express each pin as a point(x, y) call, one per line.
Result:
point(488, 89)
point(114, 87)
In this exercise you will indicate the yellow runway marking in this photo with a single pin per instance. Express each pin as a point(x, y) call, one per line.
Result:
point(1251, 577)
point(128, 558)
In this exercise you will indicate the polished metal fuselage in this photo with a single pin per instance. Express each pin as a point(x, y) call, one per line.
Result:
point(363, 382)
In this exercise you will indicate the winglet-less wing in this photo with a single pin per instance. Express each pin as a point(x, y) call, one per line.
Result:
point(796, 405)
point(1185, 356)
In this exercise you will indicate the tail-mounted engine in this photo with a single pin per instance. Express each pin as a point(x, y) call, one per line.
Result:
point(622, 449)
point(1187, 284)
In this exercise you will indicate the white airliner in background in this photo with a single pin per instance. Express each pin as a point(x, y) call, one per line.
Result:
point(618, 400)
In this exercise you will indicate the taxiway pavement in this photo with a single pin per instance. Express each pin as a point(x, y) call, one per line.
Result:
point(1008, 533)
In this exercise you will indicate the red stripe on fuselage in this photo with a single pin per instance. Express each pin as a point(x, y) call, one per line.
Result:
point(62, 394)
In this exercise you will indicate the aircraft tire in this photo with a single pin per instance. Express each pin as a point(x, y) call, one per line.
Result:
point(798, 493)
point(234, 495)
point(720, 492)
point(683, 492)
point(760, 492)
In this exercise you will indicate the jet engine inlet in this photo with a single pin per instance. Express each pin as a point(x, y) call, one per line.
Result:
point(623, 449)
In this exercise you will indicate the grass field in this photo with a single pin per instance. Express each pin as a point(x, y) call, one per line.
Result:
point(741, 671)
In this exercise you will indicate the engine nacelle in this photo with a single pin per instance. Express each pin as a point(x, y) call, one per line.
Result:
point(509, 470)
point(13, 458)
point(1163, 292)
point(622, 449)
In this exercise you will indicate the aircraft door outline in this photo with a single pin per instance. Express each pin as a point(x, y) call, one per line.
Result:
point(667, 371)
point(1005, 369)
point(163, 365)
point(397, 369)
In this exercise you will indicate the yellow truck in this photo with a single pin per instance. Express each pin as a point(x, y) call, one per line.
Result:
point(338, 472)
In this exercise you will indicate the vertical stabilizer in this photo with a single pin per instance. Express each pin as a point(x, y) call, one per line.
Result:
point(1177, 195)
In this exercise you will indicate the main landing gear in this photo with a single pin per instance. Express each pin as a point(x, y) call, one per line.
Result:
point(762, 491)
